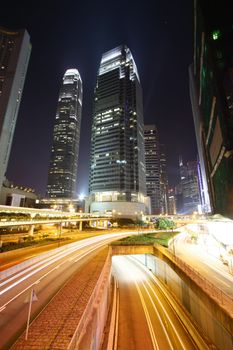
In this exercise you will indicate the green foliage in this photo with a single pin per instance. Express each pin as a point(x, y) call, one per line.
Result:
point(161, 238)
point(141, 239)
point(8, 216)
point(139, 223)
point(165, 224)
point(27, 242)
point(123, 222)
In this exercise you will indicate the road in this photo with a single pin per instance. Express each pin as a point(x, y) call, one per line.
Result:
point(199, 258)
point(148, 317)
point(46, 274)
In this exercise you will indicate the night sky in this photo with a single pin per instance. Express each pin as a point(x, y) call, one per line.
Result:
point(74, 34)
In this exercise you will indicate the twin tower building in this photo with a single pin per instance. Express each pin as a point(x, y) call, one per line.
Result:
point(117, 181)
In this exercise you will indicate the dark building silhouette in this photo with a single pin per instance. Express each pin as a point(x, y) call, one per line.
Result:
point(117, 175)
point(211, 90)
point(64, 155)
point(15, 49)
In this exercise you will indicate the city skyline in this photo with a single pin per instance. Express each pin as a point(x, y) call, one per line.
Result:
point(162, 61)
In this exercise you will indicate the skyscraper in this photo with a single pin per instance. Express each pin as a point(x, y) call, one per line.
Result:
point(15, 49)
point(117, 175)
point(189, 181)
point(211, 91)
point(163, 179)
point(64, 155)
point(153, 170)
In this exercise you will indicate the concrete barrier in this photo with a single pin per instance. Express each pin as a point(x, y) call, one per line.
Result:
point(89, 331)
point(221, 298)
point(113, 333)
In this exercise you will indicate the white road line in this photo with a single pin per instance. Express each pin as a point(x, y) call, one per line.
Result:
point(50, 261)
point(170, 301)
point(98, 245)
point(36, 282)
point(167, 316)
point(163, 308)
point(148, 320)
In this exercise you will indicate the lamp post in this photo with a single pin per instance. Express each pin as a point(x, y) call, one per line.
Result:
point(59, 233)
point(174, 251)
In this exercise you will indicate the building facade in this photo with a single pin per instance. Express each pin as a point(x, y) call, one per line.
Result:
point(171, 202)
point(163, 179)
point(15, 49)
point(189, 184)
point(211, 91)
point(17, 196)
point(117, 175)
point(62, 175)
point(153, 167)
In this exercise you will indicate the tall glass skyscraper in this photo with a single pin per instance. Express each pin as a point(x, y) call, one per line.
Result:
point(117, 175)
point(15, 49)
point(189, 184)
point(163, 178)
point(64, 156)
point(153, 172)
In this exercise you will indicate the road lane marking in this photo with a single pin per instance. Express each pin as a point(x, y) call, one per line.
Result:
point(148, 320)
point(161, 305)
point(167, 315)
point(194, 334)
point(159, 317)
point(98, 244)
point(99, 241)
point(50, 261)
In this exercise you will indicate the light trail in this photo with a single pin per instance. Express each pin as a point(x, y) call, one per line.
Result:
point(58, 255)
point(141, 277)
point(188, 327)
point(197, 257)
point(87, 244)
point(162, 307)
point(165, 313)
point(148, 319)
point(82, 255)
point(169, 327)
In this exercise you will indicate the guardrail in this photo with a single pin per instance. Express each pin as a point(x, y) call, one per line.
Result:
point(223, 300)
point(47, 221)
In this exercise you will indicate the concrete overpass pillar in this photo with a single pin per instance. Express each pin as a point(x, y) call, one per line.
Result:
point(31, 230)
point(59, 229)
point(80, 225)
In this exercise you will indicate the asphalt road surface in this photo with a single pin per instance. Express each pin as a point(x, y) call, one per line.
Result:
point(149, 318)
point(46, 274)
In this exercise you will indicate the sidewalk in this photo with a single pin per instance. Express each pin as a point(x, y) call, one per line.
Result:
point(54, 327)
